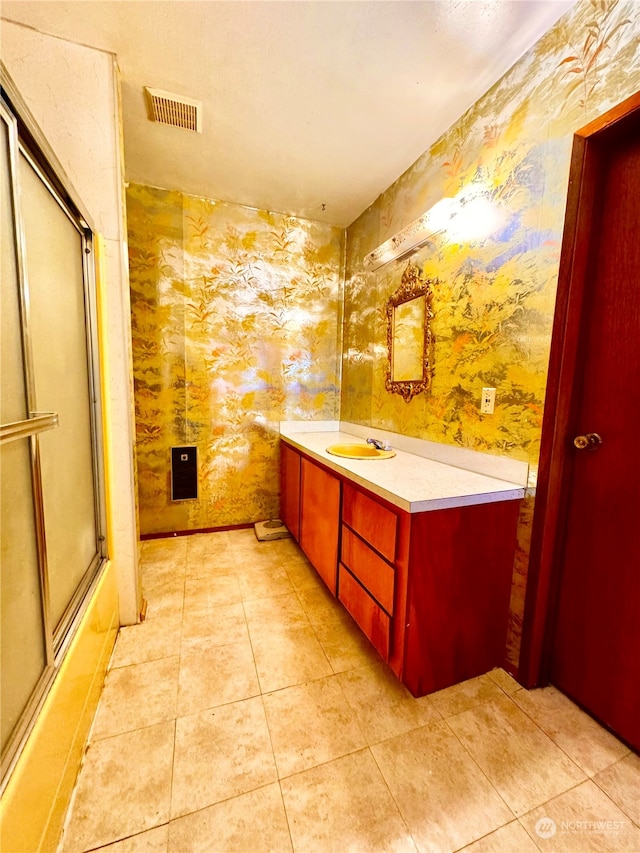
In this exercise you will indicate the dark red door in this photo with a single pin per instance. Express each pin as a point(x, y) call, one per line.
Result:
point(596, 644)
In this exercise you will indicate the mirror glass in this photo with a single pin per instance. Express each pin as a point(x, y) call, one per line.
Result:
point(409, 337)
point(408, 340)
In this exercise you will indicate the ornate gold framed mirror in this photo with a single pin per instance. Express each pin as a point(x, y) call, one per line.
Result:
point(409, 335)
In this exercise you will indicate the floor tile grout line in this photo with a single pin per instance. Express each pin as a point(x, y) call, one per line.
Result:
point(354, 711)
point(402, 733)
point(331, 675)
point(122, 840)
point(177, 705)
point(554, 741)
point(393, 799)
point(364, 745)
point(171, 818)
point(307, 681)
point(253, 655)
point(521, 817)
point(286, 816)
point(608, 795)
point(313, 628)
point(304, 628)
point(445, 720)
point(96, 739)
point(173, 764)
point(172, 720)
point(273, 752)
point(560, 794)
point(212, 805)
point(486, 835)
point(364, 748)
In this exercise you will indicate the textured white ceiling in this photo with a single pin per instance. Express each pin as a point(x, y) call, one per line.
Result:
point(305, 103)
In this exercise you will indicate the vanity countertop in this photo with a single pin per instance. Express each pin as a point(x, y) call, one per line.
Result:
point(411, 481)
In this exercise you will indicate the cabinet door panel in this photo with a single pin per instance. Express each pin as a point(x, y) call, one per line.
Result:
point(370, 617)
point(320, 521)
point(370, 569)
point(290, 489)
point(458, 596)
point(375, 523)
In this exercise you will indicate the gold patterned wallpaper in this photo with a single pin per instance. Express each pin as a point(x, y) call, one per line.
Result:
point(236, 319)
point(506, 165)
point(237, 313)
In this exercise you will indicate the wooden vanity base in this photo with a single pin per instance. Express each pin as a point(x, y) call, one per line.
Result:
point(430, 590)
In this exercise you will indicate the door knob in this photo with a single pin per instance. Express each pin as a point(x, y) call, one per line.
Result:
point(587, 442)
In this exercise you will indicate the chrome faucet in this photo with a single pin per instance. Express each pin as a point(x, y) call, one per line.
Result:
point(376, 443)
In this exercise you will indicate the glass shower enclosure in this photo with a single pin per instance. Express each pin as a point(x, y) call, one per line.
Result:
point(52, 521)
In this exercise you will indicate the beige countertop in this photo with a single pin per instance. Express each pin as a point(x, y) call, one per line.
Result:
point(410, 480)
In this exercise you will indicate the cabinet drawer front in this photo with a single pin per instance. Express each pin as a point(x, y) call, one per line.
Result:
point(375, 523)
point(372, 619)
point(370, 569)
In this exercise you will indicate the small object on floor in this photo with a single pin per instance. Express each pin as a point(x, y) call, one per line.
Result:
point(272, 529)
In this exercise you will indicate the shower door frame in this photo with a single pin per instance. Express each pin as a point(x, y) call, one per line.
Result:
point(24, 137)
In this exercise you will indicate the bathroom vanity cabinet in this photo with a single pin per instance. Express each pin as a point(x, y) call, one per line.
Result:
point(429, 589)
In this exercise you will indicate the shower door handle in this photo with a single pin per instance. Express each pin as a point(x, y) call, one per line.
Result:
point(37, 423)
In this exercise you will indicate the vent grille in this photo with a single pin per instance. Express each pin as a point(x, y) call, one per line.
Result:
point(174, 110)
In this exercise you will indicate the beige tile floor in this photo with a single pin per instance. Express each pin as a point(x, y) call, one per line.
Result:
point(248, 713)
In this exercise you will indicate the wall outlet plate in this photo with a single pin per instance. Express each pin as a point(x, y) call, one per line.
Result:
point(488, 401)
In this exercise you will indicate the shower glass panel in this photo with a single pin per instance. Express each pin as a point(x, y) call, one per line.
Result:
point(23, 655)
point(58, 335)
point(51, 489)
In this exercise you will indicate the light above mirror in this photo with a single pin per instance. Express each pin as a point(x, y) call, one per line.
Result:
point(413, 236)
point(471, 216)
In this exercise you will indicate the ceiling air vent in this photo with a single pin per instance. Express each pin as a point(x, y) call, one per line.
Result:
point(174, 110)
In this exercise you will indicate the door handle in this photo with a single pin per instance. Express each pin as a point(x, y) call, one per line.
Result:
point(587, 442)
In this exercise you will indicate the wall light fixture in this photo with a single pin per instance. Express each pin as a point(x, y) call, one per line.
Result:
point(470, 215)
